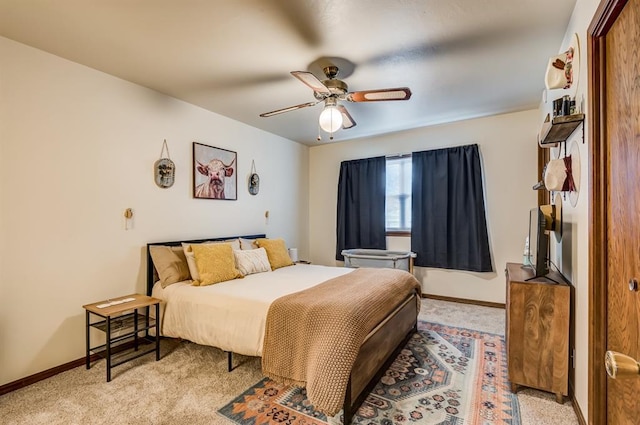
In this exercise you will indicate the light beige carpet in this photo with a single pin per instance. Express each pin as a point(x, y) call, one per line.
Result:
point(190, 383)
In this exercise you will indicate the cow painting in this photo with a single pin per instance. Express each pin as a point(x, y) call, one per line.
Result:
point(214, 170)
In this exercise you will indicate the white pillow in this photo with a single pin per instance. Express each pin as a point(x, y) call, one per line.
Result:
point(248, 243)
point(251, 261)
point(191, 259)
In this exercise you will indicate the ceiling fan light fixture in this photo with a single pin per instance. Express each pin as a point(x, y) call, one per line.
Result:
point(335, 116)
point(330, 119)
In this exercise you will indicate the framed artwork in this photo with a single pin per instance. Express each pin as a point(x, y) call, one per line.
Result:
point(214, 173)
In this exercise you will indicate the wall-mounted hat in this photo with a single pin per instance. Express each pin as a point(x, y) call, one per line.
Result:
point(563, 174)
point(563, 69)
point(558, 176)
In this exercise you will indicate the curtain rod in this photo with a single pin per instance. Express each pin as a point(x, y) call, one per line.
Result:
point(398, 155)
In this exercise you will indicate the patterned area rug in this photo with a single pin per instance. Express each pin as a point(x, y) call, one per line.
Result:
point(445, 375)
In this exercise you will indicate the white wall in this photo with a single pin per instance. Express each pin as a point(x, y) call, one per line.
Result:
point(77, 148)
point(572, 254)
point(508, 148)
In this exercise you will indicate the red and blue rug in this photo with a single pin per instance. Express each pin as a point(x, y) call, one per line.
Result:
point(445, 376)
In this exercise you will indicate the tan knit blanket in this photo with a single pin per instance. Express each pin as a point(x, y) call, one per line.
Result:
point(312, 337)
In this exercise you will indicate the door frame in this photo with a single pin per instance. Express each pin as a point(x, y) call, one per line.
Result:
point(606, 14)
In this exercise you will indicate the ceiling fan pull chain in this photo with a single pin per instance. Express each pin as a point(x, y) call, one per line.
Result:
point(331, 126)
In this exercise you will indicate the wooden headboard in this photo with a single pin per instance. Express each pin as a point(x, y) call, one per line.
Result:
point(150, 266)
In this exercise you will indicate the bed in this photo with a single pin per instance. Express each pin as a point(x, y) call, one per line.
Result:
point(232, 316)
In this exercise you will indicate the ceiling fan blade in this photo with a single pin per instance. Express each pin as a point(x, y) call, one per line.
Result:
point(290, 108)
point(312, 81)
point(399, 93)
point(347, 120)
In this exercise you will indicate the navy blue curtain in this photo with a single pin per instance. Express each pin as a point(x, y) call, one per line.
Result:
point(361, 205)
point(448, 223)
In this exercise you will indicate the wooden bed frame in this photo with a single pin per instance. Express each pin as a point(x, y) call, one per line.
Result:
point(376, 354)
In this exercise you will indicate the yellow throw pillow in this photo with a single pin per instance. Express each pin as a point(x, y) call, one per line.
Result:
point(191, 261)
point(170, 263)
point(276, 252)
point(215, 263)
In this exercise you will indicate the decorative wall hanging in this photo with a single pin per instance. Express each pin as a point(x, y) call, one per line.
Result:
point(574, 154)
point(164, 169)
point(563, 70)
point(563, 174)
point(254, 180)
point(214, 173)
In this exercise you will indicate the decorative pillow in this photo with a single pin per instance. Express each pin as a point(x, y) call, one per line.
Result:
point(215, 263)
point(191, 262)
point(276, 251)
point(248, 244)
point(170, 263)
point(235, 243)
point(252, 261)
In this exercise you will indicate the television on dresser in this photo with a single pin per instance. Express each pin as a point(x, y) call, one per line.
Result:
point(539, 226)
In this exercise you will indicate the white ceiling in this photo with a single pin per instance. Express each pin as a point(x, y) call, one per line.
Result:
point(461, 58)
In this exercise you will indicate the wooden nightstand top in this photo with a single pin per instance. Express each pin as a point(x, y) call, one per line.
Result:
point(107, 311)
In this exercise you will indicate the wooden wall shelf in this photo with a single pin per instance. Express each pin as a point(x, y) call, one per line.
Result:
point(559, 129)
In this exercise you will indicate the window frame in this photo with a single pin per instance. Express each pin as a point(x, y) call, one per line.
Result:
point(399, 232)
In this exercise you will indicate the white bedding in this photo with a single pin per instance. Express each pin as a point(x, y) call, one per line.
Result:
point(231, 315)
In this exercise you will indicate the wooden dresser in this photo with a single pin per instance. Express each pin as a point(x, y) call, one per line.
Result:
point(537, 331)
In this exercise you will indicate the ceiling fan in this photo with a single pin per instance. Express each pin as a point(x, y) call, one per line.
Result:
point(331, 91)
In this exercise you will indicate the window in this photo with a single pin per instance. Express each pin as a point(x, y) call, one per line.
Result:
point(398, 202)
